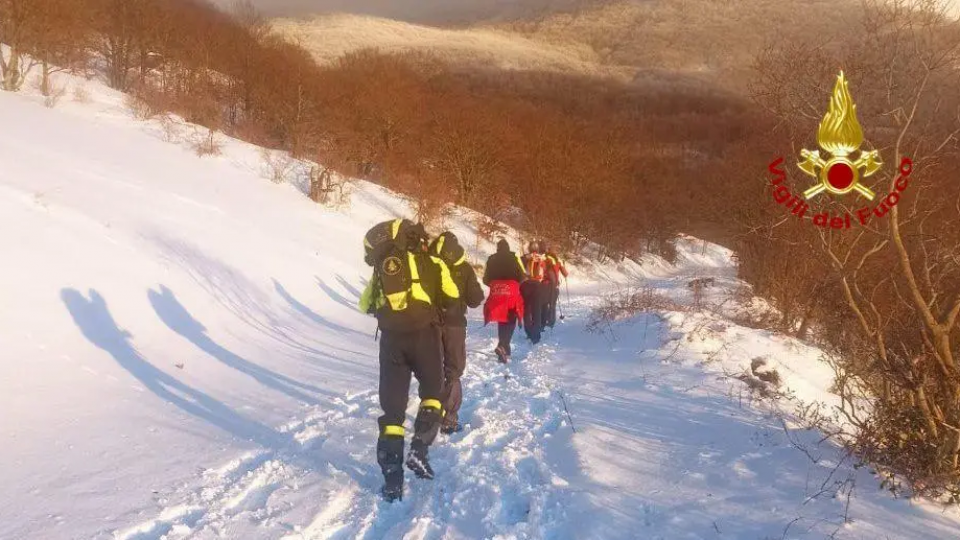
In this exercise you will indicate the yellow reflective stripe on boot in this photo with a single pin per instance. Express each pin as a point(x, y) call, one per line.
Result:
point(396, 431)
point(431, 404)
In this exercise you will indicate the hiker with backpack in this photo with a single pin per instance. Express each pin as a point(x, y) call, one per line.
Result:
point(503, 275)
point(405, 293)
point(454, 327)
point(555, 271)
point(535, 293)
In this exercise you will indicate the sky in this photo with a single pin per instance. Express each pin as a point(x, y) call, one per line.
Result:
point(428, 11)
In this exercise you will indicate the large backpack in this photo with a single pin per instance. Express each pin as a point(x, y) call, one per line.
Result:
point(385, 237)
point(388, 247)
point(552, 265)
point(536, 266)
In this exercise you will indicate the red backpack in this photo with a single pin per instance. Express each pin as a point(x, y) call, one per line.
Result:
point(536, 266)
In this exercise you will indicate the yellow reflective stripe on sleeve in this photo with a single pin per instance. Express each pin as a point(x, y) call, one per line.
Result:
point(446, 281)
point(461, 260)
point(520, 264)
point(396, 431)
point(440, 242)
point(395, 228)
point(431, 404)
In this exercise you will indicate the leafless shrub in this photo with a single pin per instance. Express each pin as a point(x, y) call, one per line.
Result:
point(206, 143)
point(169, 128)
point(884, 298)
point(54, 95)
point(277, 165)
point(698, 286)
point(629, 303)
point(750, 312)
point(81, 94)
point(327, 187)
point(139, 107)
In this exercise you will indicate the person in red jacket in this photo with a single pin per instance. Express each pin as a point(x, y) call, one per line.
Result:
point(503, 274)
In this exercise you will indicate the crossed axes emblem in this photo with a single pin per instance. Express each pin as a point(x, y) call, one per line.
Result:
point(845, 173)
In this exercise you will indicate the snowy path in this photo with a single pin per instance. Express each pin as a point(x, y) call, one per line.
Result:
point(667, 447)
point(493, 479)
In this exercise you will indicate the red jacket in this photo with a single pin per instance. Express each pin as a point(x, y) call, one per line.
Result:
point(504, 297)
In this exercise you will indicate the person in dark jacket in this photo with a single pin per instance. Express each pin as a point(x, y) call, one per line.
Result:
point(535, 292)
point(555, 271)
point(405, 293)
point(454, 328)
point(503, 274)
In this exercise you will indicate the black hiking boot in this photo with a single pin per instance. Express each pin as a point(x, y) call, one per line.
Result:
point(390, 458)
point(450, 429)
point(393, 486)
point(418, 462)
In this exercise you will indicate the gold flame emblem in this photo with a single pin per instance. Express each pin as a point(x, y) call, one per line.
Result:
point(840, 135)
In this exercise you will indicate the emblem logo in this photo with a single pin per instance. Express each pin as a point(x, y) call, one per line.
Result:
point(840, 135)
point(391, 266)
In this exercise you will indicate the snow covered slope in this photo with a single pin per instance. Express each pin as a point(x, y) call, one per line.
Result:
point(180, 358)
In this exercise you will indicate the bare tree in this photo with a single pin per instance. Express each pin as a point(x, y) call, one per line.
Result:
point(19, 27)
point(898, 274)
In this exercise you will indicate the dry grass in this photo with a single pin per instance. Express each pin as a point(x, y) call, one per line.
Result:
point(626, 39)
point(332, 36)
point(709, 38)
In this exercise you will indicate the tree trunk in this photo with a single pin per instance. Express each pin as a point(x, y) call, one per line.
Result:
point(11, 77)
point(45, 79)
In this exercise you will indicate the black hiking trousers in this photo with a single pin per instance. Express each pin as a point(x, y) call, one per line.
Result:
point(454, 364)
point(505, 332)
point(550, 312)
point(403, 354)
point(534, 303)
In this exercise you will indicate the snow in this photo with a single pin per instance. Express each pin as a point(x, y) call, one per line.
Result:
point(181, 358)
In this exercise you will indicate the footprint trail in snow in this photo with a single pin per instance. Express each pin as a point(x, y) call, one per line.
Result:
point(493, 479)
